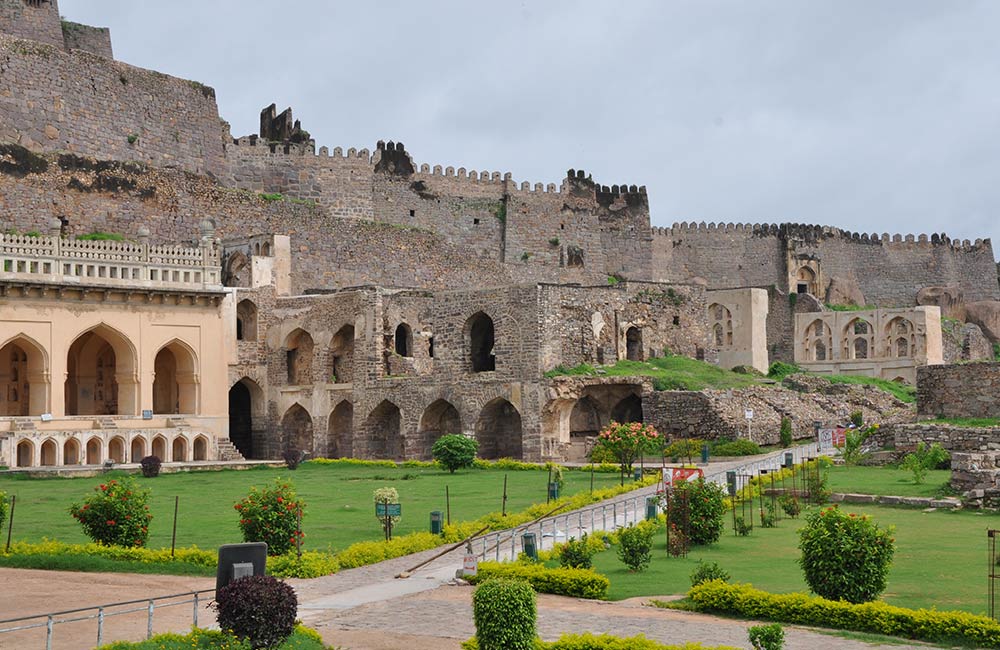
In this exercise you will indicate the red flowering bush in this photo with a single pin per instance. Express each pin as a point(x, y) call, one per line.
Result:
point(624, 442)
point(845, 556)
point(116, 515)
point(699, 507)
point(271, 515)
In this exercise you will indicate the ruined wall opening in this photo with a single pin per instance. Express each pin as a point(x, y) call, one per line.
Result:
point(901, 341)
point(48, 453)
point(629, 409)
point(101, 373)
point(138, 449)
point(25, 454)
point(179, 450)
point(342, 355)
point(246, 321)
point(805, 281)
point(441, 418)
point(818, 341)
point(722, 325)
point(201, 448)
point(498, 431)
point(298, 358)
point(94, 452)
point(584, 419)
point(633, 344)
point(237, 271)
point(859, 339)
point(116, 450)
point(243, 398)
point(23, 384)
point(174, 380)
point(297, 430)
point(403, 340)
point(481, 338)
point(71, 452)
point(384, 434)
point(340, 431)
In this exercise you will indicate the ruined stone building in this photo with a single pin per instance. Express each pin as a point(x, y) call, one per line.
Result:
point(270, 295)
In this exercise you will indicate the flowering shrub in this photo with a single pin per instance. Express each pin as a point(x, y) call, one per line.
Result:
point(705, 510)
point(624, 442)
point(116, 515)
point(271, 515)
point(844, 556)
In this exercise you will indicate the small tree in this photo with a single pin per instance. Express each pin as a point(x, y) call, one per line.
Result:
point(923, 459)
point(786, 432)
point(624, 442)
point(271, 515)
point(505, 614)
point(706, 510)
point(706, 571)
point(683, 448)
point(454, 451)
point(385, 496)
point(845, 556)
point(116, 515)
point(577, 553)
point(635, 546)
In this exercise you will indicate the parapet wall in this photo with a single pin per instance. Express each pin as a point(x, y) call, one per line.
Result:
point(970, 390)
point(889, 269)
point(96, 40)
point(54, 100)
point(36, 20)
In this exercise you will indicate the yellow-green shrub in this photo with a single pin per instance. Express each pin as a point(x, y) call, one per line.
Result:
point(192, 555)
point(606, 642)
point(582, 583)
point(312, 564)
point(875, 617)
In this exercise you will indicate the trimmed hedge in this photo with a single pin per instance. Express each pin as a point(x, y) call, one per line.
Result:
point(606, 642)
point(303, 638)
point(582, 583)
point(508, 464)
point(876, 617)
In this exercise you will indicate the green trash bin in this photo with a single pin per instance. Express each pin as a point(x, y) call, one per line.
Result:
point(651, 509)
point(789, 460)
point(731, 483)
point(437, 523)
point(553, 491)
point(704, 453)
point(637, 473)
point(529, 545)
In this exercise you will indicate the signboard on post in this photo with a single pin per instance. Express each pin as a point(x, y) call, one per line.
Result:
point(831, 438)
point(671, 475)
point(470, 565)
point(388, 510)
point(748, 414)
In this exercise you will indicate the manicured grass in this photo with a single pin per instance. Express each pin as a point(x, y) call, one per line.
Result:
point(965, 422)
point(339, 507)
point(93, 564)
point(941, 560)
point(886, 481)
point(668, 373)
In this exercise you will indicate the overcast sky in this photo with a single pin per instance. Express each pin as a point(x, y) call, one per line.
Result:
point(870, 116)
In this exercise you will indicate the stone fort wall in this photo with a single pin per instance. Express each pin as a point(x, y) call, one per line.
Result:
point(888, 269)
point(37, 20)
point(959, 391)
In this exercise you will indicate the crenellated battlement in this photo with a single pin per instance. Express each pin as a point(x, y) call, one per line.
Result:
point(815, 232)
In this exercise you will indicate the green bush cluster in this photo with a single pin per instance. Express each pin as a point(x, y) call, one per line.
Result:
point(635, 546)
point(706, 571)
point(258, 609)
point(590, 641)
point(271, 515)
point(302, 638)
point(505, 615)
point(779, 370)
point(454, 451)
point(951, 627)
point(741, 447)
point(925, 458)
point(578, 553)
point(785, 433)
point(3, 509)
point(706, 510)
point(845, 556)
point(767, 637)
point(116, 515)
point(581, 583)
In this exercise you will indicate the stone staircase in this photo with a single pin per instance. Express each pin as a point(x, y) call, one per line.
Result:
point(226, 450)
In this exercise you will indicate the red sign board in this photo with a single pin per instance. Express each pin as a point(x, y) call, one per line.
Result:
point(671, 475)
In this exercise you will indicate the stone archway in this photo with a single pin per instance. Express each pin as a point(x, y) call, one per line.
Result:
point(342, 355)
point(101, 374)
point(24, 384)
point(175, 388)
point(25, 454)
point(137, 449)
point(584, 419)
point(498, 430)
point(439, 419)
point(245, 398)
point(340, 431)
point(384, 431)
point(633, 344)
point(71, 452)
point(481, 340)
point(297, 430)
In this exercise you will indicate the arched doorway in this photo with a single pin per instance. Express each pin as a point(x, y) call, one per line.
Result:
point(297, 430)
point(629, 409)
point(71, 452)
point(137, 450)
point(246, 321)
point(24, 387)
point(403, 340)
point(342, 355)
point(244, 398)
point(25, 454)
point(238, 273)
point(48, 453)
point(384, 435)
point(584, 419)
point(174, 387)
point(439, 419)
point(340, 431)
point(101, 377)
point(481, 339)
point(298, 358)
point(201, 448)
point(633, 344)
point(160, 448)
point(95, 454)
point(116, 449)
point(179, 449)
point(498, 430)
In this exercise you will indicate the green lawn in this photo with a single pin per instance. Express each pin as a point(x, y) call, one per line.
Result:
point(941, 560)
point(668, 373)
point(886, 481)
point(965, 422)
point(339, 508)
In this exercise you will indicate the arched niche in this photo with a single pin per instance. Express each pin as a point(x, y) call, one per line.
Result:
point(340, 431)
point(175, 382)
point(498, 430)
point(383, 429)
point(299, 358)
point(480, 336)
point(297, 429)
point(246, 400)
point(440, 418)
point(24, 377)
point(342, 355)
point(246, 320)
point(101, 374)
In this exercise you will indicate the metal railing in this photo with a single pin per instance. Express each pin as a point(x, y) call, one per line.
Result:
point(101, 612)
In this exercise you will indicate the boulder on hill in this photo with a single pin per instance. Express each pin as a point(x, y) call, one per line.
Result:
point(949, 298)
point(985, 314)
point(844, 291)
